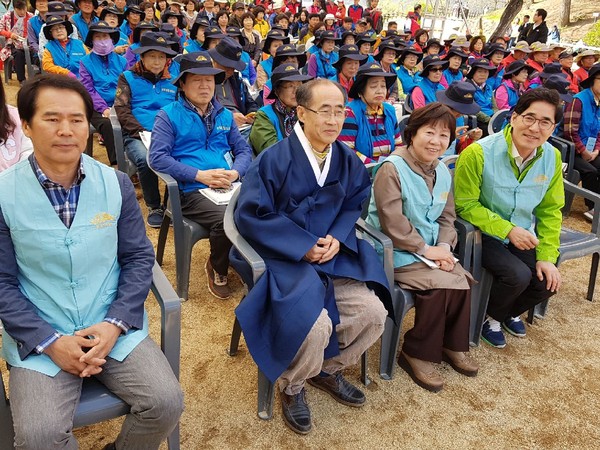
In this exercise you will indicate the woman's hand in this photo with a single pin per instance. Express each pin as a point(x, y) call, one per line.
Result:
point(441, 256)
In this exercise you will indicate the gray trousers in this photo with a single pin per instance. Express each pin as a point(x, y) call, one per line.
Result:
point(43, 407)
point(362, 318)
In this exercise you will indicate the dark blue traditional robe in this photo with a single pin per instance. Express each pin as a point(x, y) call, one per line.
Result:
point(282, 212)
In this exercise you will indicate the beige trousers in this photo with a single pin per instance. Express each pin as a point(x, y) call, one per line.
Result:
point(362, 318)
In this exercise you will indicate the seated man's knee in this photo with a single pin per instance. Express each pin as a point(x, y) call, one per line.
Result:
point(41, 436)
point(319, 334)
point(164, 407)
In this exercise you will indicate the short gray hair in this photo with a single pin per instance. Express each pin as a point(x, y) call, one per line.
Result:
point(304, 94)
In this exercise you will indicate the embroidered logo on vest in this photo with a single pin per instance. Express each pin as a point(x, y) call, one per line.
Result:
point(103, 220)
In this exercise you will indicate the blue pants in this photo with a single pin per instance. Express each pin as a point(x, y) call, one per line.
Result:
point(136, 152)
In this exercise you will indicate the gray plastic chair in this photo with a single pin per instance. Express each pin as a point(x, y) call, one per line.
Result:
point(407, 105)
point(250, 266)
point(185, 233)
point(497, 121)
point(97, 403)
point(402, 125)
point(123, 163)
point(8, 65)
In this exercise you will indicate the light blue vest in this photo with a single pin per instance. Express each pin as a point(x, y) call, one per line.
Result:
point(267, 65)
point(71, 274)
point(105, 73)
point(429, 88)
point(501, 191)
point(420, 207)
point(409, 82)
point(272, 115)
point(513, 94)
point(82, 26)
point(325, 67)
point(68, 57)
point(589, 124)
point(483, 97)
point(192, 45)
point(193, 146)
point(452, 77)
point(147, 99)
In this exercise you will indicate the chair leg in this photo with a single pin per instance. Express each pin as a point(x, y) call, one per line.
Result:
point(390, 340)
point(266, 396)
point(480, 295)
point(539, 311)
point(162, 239)
point(235, 338)
point(183, 261)
point(173, 439)
point(364, 364)
point(593, 273)
point(530, 315)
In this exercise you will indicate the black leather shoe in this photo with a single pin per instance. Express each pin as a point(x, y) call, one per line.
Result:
point(340, 389)
point(296, 412)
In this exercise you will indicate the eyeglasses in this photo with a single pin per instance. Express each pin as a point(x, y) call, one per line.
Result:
point(435, 69)
point(58, 28)
point(528, 120)
point(338, 114)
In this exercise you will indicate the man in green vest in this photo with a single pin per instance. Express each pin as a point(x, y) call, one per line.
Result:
point(510, 186)
point(75, 273)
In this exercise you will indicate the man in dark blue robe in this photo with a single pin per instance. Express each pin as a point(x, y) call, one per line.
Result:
point(297, 207)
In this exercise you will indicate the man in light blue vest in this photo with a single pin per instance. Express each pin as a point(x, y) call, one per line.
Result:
point(510, 186)
point(195, 140)
point(75, 273)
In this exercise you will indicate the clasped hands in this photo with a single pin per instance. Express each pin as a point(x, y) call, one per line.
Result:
point(324, 250)
point(217, 178)
point(84, 353)
point(442, 256)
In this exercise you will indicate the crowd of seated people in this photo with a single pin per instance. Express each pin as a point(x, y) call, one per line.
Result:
point(304, 107)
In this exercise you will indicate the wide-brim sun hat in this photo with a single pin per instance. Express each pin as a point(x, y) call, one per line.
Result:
point(516, 67)
point(433, 61)
point(410, 51)
point(101, 27)
point(115, 11)
point(460, 96)
point(481, 63)
point(228, 53)
point(135, 38)
point(593, 73)
point(560, 85)
point(154, 41)
point(274, 36)
point(198, 63)
point(585, 53)
point(386, 45)
point(286, 50)
point(57, 20)
point(367, 71)
point(349, 51)
point(285, 72)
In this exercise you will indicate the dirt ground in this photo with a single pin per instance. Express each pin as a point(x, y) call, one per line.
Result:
point(540, 392)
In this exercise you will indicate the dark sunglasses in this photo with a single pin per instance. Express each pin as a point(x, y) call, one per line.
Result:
point(436, 69)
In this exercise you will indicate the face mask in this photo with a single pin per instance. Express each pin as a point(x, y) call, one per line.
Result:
point(103, 47)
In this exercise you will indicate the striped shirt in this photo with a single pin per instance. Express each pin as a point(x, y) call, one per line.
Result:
point(381, 144)
point(64, 201)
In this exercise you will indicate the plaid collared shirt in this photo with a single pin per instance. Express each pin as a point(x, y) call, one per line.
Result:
point(204, 117)
point(64, 201)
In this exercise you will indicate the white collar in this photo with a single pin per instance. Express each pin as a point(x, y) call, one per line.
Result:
point(320, 176)
point(521, 163)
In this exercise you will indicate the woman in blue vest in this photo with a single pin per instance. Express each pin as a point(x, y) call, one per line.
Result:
point(136, 36)
point(456, 59)
point(407, 72)
point(365, 42)
point(276, 121)
point(320, 63)
point(196, 37)
point(249, 73)
point(176, 19)
point(62, 54)
point(582, 127)
point(479, 73)
point(115, 18)
point(386, 56)
point(371, 128)
point(287, 53)
point(424, 92)
point(99, 72)
point(212, 36)
point(141, 92)
point(513, 84)
point(85, 17)
point(272, 42)
point(412, 201)
point(133, 16)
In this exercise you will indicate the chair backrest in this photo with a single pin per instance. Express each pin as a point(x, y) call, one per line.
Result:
point(402, 125)
point(407, 105)
point(123, 163)
point(497, 121)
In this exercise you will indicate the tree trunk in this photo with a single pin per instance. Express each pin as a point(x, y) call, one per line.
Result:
point(513, 7)
point(565, 13)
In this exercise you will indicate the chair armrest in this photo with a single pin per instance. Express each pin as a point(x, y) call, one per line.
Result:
point(170, 306)
point(465, 231)
point(119, 145)
point(385, 242)
point(588, 195)
point(241, 245)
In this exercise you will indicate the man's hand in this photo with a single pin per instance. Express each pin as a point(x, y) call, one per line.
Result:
point(522, 239)
point(105, 336)
point(239, 118)
point(475, 133)
point(589, 156)
point(67, 351)
point(333, 248)
point(216, 178)
point(121, 49)
point(317, 251)
point(549, 271)
point(250, 117)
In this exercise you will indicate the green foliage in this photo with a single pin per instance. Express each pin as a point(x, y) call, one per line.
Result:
point(592, 38)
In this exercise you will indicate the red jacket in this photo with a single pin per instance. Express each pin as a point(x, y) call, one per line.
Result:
point(581, 74)
point(356, 12)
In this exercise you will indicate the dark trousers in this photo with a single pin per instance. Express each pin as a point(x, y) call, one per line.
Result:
point(516, 287)
point(204, 212)
point(19, 63)
point(442, 319)
point(590, 175)
point(102, 124)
